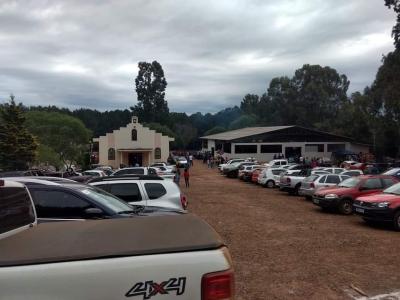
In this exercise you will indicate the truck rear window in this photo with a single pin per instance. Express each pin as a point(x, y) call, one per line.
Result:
point(15, 209)
point(155, 190)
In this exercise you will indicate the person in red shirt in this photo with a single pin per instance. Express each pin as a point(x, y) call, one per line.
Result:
point(186, 176)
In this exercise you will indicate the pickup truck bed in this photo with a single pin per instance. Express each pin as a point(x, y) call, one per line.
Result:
point(72, 241)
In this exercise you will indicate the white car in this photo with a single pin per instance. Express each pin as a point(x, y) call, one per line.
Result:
point(231, 161)
point(270, 177)
point(135, 171)
point(144, 191)
point(276, 163)
point(352, 173)
point(161, 165)
point(334, 170)
point(316, 181)
point(95, 173)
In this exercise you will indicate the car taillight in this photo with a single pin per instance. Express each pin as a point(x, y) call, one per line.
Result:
point(288, 180)
point(312, 185)
point(218, 286)
point(184, 201)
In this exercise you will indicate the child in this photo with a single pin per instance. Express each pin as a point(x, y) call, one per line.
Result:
point(186, 176)
point(177, 176)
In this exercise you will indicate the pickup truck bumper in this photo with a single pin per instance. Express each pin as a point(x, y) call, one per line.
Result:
point(374, 213)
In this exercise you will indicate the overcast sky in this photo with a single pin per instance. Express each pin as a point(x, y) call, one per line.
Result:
point(85, 53)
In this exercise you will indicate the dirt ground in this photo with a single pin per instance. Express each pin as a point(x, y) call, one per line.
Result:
point(284, 247)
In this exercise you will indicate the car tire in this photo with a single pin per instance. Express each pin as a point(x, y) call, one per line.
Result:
point(270, 184)
point(396, 221)
point(346, 207)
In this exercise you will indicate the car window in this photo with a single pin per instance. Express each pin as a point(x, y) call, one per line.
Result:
point(322, 179)
point(59, 204)
point(372, 184)
point(337, 171)
point(388, 182)
point(126, 191)
point(277, 172)
point(155, 190)
point(332, 179)
point(15, 208)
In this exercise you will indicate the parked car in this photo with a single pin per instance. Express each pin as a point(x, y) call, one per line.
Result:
point(334, 170)
point(144, 190)
point(161, 165)
point(270, 176)
point(231, 161)
point(291, 183)
point(135, 171)
point(393, 172)
point(383, 207)
point(181, 161)
point(342, 196)
point(140, 255)
point(255, 174)
point(316, 181)
point(94, 173)
point(245, 171)
point(276, 163)
point(352, 173)
point(232, 170)
point(65, 201)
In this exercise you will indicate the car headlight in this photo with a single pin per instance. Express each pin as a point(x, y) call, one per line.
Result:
point(383, 204)
point(331, 196)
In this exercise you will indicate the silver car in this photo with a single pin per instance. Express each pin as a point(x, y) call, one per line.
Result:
point(144, 191)
point(316, 181)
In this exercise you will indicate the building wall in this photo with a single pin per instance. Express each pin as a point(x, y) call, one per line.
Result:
point(122, 139)
point(265, 157)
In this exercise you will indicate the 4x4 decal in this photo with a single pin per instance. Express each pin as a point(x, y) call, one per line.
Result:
point(149, 289)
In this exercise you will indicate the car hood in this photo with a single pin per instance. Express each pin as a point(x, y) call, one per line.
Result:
point(381, 197)
point(333, 190)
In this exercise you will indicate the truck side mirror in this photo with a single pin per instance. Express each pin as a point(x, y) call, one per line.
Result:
point(94, 213)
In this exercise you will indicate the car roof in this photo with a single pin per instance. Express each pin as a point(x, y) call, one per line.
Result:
point(126, 177)
point(5, 183)
point(30, 180)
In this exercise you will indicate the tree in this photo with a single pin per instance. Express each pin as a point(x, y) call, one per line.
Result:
point(250, 104)
point(244, 121)
point(150, 89)
point(17, 145)
point(215, 130)
point(64, 134)
point(395, 4)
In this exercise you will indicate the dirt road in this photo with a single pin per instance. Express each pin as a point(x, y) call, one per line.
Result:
point(284, 247)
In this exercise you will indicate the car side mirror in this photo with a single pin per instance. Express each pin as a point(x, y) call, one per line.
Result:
point(94, 213)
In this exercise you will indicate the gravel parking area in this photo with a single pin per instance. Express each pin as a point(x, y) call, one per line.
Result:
point(284, 247)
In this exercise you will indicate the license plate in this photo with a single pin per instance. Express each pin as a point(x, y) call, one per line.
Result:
point(316, 201)
point(360, 210)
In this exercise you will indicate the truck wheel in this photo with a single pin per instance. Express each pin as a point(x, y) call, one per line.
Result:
point(270, 184)
point(346, 207)
point(396, 221)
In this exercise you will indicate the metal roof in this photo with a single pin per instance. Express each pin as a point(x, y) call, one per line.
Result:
point(244, 132)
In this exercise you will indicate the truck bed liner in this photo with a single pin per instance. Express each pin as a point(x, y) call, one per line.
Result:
point(70, 241)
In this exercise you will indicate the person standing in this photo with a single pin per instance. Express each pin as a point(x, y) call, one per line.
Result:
point(186, 176)
point(191, 160)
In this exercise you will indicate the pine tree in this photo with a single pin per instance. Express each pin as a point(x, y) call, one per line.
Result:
point(17, 145)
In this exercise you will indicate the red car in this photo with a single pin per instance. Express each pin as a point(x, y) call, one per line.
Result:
point(343, 195)
point(380, 207)
point(255, 174)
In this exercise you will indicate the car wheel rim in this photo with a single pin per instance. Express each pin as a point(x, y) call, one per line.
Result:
point(270, 184)
point(346, 207)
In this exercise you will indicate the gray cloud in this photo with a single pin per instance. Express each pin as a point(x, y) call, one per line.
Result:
point(85, 53)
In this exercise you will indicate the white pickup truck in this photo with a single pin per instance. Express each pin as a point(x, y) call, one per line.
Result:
point(291, 180)
point(163, 257)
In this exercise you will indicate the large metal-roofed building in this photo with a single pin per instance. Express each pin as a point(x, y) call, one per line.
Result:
point(263, 143)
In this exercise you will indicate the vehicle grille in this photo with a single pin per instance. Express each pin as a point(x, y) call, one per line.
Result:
point(365, 204)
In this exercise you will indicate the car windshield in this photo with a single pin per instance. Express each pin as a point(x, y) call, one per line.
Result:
point(311, 178)
point(107, 200)
point(350, 182)
point(394, 189)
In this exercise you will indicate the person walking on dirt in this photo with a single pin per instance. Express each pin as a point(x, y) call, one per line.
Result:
point(177, 176)
point(186, 176)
